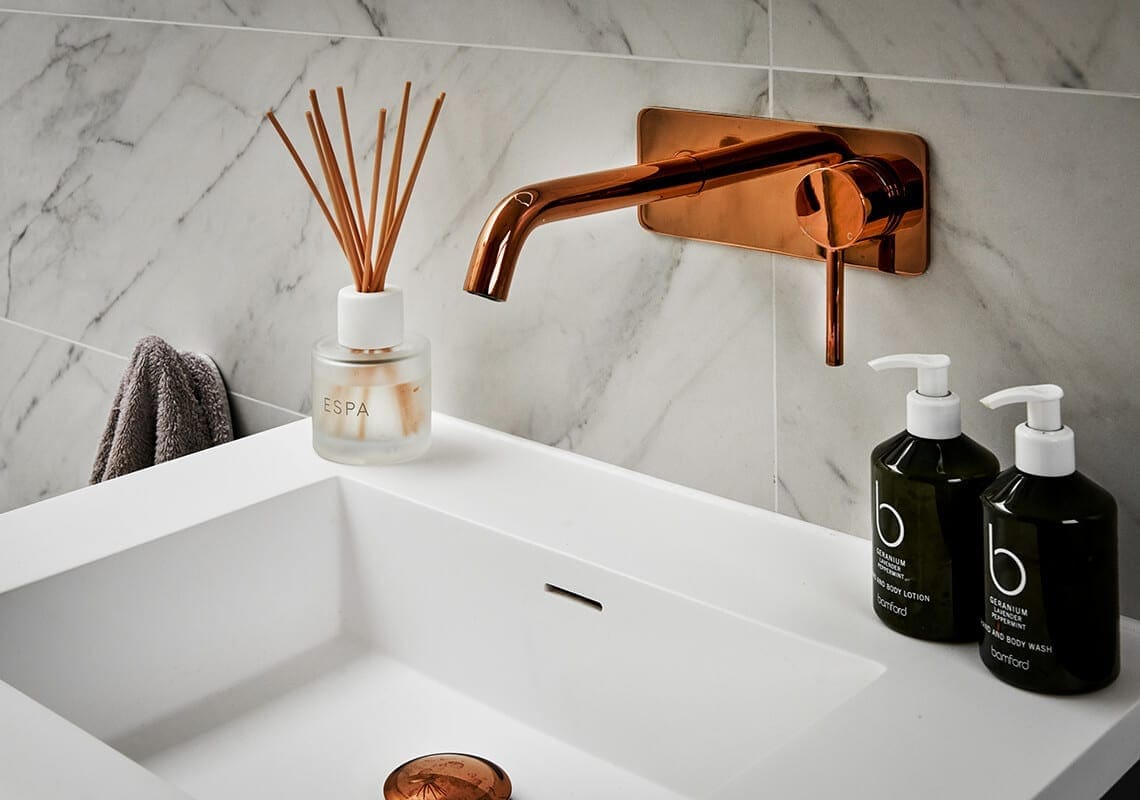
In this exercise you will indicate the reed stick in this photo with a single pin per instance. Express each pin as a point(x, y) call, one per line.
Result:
point(359, 219)
point(380, 274)
point(351, 234)
point(334, 198)
point(367, 243)
point(349, 249)
point(383, 118)
point(336, 173)
point(334, 193)
point(305, 173)
point(394, 170)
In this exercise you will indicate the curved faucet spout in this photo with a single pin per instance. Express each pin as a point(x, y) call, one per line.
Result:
point(500, 242)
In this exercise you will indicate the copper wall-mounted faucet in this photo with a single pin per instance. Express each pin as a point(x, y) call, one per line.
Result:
point(844, 195)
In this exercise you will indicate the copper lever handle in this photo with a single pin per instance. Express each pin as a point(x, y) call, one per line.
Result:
point(861, 200)
point(834, 307)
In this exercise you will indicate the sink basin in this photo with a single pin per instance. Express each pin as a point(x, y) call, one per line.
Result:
point(261, 623)
point(305, 645)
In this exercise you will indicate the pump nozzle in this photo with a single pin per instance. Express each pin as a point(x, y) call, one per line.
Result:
point(932, 411)
point(933, 370)
point(1042, 402)
point(1042, 445)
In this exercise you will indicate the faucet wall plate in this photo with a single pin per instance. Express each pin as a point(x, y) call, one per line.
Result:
point(760, 213)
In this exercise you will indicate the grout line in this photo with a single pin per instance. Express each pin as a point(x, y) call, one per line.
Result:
point(373, 37)
point(1024, 87)
point(772, 264)
point(771, 67)
point(267, 404)
point(771, 58)
point(101, 351)
point(57, 337)
point(775, 400)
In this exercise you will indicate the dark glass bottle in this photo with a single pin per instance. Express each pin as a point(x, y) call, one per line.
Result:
point(926, 534)
point(1051, 618)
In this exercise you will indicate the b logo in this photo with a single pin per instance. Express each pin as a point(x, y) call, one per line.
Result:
point(878, 520)
point(1000, 552)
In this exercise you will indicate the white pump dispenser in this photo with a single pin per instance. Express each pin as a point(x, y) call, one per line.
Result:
point(1042, 445)
point(932, 411)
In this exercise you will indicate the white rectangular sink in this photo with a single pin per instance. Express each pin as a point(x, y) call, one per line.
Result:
point(254, 622)
point(303, 646)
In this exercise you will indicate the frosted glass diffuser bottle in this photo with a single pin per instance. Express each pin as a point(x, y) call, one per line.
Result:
point(371, 383)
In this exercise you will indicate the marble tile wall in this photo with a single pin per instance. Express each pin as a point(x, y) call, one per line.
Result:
point(154, 198)
point(1087, 45)
point(50, 393)
point(144, 194)
point(726, 30)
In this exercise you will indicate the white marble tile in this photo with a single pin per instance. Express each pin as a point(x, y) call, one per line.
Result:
point(1087, 45)
point(154, 199)
point(1031, 280)
point(54, 402)
point(733, 31)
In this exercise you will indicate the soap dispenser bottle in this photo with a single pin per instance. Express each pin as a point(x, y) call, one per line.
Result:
point(1051, 618)
point(926, 514)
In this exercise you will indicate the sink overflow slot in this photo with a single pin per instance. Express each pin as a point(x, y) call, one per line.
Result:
point(558, 590)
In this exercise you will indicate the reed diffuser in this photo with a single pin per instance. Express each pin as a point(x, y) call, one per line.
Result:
point(372, 380)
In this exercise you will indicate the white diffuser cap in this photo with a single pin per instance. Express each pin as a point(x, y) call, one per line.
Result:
point(369, 320)
point(932, 411)
point(1042, 445)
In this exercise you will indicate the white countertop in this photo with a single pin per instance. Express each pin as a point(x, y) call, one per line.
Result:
point(935, 724)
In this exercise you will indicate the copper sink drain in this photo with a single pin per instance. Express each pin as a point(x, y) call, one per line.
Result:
point(454, 776)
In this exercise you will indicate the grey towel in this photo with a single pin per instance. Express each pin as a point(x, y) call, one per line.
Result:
point(169, 404)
